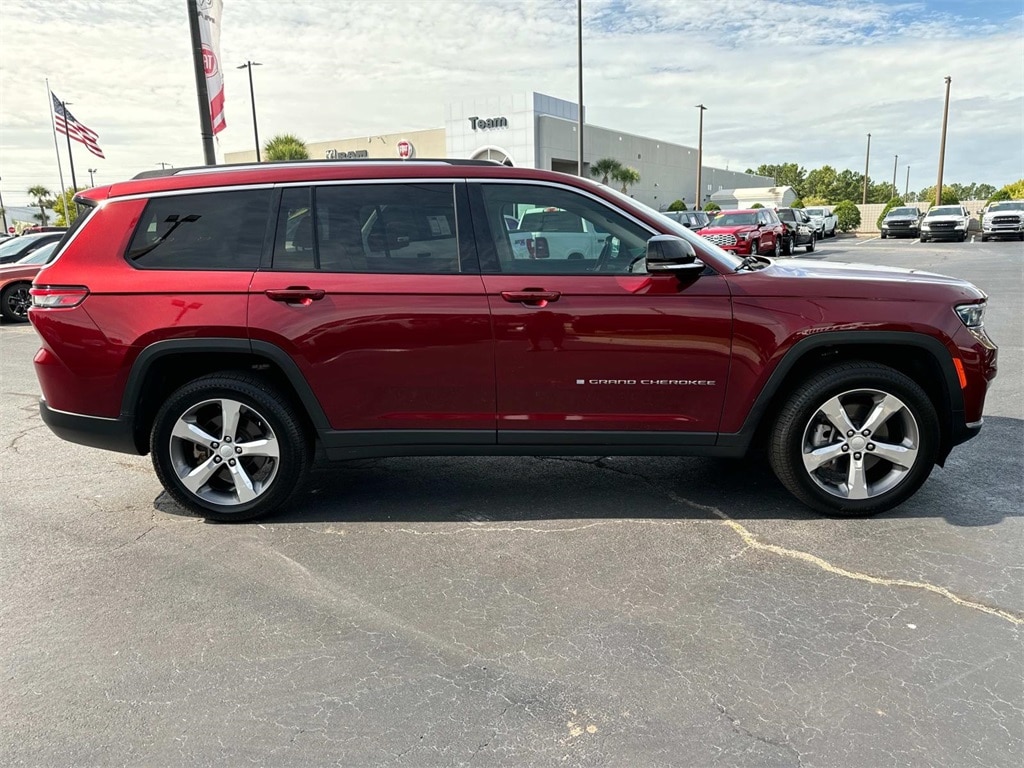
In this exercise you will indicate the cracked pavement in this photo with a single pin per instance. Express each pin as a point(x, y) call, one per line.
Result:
point(506, 612)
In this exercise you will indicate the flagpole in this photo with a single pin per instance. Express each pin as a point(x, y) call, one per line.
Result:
point(71, 158)
point(53, 127)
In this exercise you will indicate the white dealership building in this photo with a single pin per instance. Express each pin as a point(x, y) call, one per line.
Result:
point(537, 131)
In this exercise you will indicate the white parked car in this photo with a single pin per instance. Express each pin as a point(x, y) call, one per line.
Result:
point(946, 222)
point(823, 221)
point(1003, 219)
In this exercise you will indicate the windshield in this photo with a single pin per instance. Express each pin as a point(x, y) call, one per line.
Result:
point(734, 219)
point(673, 227)
point(903, 212)
point(945, 210)
point(1009, 205)
point(814, 211)
point(40, 255)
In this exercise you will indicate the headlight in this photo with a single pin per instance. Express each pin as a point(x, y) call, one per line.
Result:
point(971, 315)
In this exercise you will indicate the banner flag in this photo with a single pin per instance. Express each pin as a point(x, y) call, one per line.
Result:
point(210, 14)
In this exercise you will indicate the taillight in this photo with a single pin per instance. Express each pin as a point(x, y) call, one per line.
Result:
point(58, 296)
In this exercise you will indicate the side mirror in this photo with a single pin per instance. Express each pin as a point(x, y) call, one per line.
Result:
point(666, 253)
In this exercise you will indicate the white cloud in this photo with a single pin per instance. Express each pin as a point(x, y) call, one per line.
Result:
point(783, 80)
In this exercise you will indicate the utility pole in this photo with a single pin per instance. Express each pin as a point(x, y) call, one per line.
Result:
point(906, 189)
point(942, 145)
point(700, 156)
point(71, 158)
point(867, 160)
point(894, 175)
point(3, 211)
point(579, 72)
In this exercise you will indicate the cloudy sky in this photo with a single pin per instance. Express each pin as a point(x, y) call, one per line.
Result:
point(784, 80)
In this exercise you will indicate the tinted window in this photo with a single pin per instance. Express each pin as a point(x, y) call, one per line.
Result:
point(585, 236)
point(787, 215)
point(376, 228)
point(209, 231)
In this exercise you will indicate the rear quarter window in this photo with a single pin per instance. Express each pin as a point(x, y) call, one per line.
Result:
point(204, 231)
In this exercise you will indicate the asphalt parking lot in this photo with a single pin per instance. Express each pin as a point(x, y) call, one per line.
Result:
point(508, 612)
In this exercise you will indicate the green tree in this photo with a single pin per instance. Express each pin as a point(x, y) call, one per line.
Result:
point(677, 205)
point(849, 185)
point(757, 205)
point(41, 197)
point(627, 177)
point(1002, 194)
point(848, 215)
point(1014, 191)
point(285, 146)
point(605, 167)
point(820, 185)
point(982, 192)
point(798, 203)
point(949, 195)
point(65, 207)
point(785, 174)
point(711, 205)
point(895, 202)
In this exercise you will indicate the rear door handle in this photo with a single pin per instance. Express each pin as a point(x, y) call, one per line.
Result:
point(296, 294)
point(531, 297)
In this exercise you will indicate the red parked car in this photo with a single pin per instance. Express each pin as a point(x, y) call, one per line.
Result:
point(16, 279)
point(235, 322)
point(746, 231)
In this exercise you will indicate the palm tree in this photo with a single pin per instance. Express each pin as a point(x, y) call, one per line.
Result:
point(285, 146)
point(605, 167)
point(41, 196)
point(626, 176)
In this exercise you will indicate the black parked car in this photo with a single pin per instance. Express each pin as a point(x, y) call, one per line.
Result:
point(902, 222)
point(799, 230)
point(695, 220)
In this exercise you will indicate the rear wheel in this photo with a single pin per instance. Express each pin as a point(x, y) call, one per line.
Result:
point(810, 245)
point(789, 247)
point(855, 439)
point(229, 447)
point(15, 301)
point(778, 248)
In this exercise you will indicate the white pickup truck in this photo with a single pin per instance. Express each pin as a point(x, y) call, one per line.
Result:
point(552, 233)
point(823, 221)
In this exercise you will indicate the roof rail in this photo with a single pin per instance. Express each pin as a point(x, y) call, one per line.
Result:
point(194, 169)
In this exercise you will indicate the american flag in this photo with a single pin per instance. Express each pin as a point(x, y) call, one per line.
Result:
point(65, 123)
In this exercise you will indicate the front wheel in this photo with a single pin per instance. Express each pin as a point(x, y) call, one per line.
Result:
point(229, 447)
point(855, 439)
point(754, 248)
point(810, 245)
point(924, 239)
point(778, 248)
point(15, 301)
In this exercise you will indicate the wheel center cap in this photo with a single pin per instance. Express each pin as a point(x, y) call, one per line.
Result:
point(226, 451)
point(857, 443)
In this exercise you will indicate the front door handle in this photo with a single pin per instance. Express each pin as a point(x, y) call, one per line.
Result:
point(531, 297)
point(296, 294)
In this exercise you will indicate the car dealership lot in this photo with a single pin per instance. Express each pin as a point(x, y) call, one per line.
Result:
point(616, 611)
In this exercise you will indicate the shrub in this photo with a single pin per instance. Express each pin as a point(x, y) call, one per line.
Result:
point(677, 205)
point(757, 205)
point(894, 202)
point(712, 206)
point(848, 215)
point(798, 203)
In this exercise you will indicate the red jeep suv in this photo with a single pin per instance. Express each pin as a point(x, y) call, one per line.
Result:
point(239, 321)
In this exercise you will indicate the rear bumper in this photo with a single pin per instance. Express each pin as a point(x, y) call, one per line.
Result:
point(108, 434)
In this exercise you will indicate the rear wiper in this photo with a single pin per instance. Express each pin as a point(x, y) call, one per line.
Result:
point(175, 222)
point(752, 263)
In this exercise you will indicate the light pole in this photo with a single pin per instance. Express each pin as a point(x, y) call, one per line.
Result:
point(700, 155)
point(906, 189)
point(579, 75)
point(942, 145)
point(3, 211)
point(252, 97)
point(164, 165)
point(91, 172)
point(894, 175)
point(867, 160)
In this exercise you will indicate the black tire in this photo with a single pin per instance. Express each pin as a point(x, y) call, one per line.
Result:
point(269, 424)
point(755, 249)
point(924, 239)
point(778, 248)
point(15, 301)
point(882, 236)
point(789, 247)
point(810, 245)
point(963, 237)
point(801, 431)
point(984, 238)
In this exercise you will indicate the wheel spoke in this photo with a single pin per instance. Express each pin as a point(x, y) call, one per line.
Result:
point(185, 430)
point(900, 455)
point(230, 414)
point(244, 488)
point(882, 411)
point(834, 411)
point(199, 476)
point(266, 447)
point(857, 480)
point(814, 459)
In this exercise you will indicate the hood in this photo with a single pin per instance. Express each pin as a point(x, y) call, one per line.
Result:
point(822, 278)
point(943, 217)
point(733, 229)
point(16, 271)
